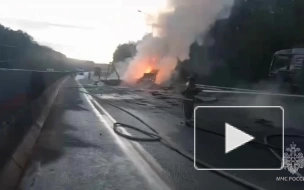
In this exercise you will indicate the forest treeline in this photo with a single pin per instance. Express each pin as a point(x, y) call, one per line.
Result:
point(18, 50)
point(244, 43)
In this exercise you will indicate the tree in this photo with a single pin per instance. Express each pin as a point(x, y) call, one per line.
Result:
point(19, 50)
point(245, 42)
point(124, 51)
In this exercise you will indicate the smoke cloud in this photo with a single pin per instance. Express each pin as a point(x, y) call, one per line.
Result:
point(174, 30)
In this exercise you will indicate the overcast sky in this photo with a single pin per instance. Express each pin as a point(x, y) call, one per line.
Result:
point(87, 29)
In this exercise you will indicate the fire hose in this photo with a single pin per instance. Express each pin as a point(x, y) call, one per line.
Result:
point(156, 137)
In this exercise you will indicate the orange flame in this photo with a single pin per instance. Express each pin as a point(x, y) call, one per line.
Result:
point(149, 69)
point(148, 65)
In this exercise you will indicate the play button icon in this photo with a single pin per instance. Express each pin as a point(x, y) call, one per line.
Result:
point(235, 138)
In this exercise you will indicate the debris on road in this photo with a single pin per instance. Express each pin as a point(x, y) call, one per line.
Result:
point(264, 122)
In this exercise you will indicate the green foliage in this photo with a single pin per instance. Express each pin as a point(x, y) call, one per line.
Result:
point(246, 41)
point(28, 54)
point(124, 51)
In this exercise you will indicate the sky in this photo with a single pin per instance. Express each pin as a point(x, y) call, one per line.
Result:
point(87, 29)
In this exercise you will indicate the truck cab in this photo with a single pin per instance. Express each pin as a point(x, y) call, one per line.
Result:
point(287, 67)
point(148, 77)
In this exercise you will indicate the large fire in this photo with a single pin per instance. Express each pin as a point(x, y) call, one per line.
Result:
point(149, 65)
point(149, 69)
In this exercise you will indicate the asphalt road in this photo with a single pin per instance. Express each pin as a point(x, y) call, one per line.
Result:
point(165, 115)
point(75, 150)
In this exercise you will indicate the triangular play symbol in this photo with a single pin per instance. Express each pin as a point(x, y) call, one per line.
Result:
point(235, 138)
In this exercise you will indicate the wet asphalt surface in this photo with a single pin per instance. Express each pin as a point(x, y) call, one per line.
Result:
point(165, 115)
point(76, 151)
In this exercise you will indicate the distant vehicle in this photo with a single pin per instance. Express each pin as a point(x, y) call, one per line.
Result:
point(287, 66)
point(49, 69)
point(148, 77)
point(80, 71)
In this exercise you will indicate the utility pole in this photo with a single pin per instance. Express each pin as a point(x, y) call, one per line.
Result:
point(152, 25)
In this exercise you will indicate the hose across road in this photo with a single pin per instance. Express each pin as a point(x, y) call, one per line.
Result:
point(155, 136)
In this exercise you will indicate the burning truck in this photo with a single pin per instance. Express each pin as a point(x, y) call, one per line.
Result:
point(150, 70)
point(148, 77)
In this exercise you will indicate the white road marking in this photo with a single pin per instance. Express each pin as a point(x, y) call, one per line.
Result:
point(146, 164)
point(115, 96)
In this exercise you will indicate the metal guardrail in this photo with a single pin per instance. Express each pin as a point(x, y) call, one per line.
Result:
point(5, 45)
point(16, 82)
point(228, 90)
point(19, 90)
point(9, 60)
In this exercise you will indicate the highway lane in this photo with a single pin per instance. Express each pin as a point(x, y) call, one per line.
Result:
point(166, 117)
point(76, 150)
